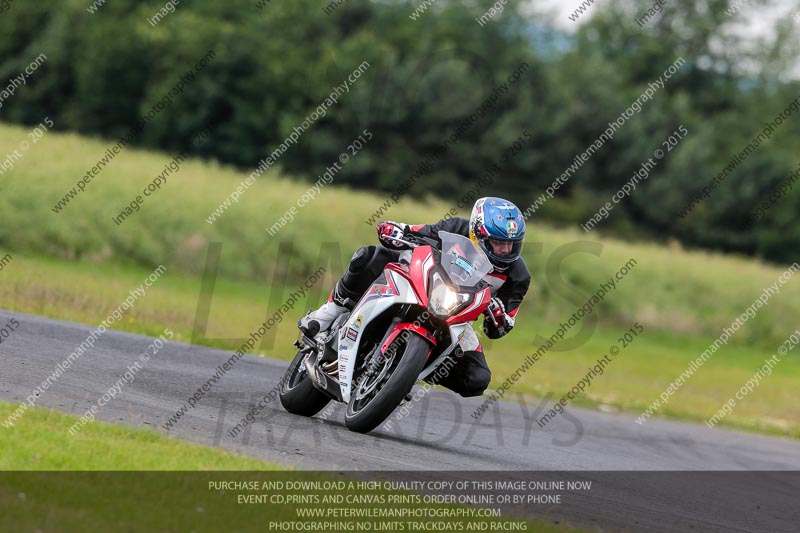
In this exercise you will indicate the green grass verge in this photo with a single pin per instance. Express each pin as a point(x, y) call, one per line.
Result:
point(40, 441)
point(112, 493)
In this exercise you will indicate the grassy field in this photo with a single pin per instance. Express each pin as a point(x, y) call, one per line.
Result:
point(125, 479)
point(670, 289)
point(78, 265)
point(40, 441)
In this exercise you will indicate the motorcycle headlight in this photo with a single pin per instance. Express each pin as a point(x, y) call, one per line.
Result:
point(443, 298)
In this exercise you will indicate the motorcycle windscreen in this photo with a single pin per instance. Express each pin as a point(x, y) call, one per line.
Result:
point(463, 260)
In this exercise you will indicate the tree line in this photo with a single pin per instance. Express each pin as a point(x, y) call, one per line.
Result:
point(444, 75)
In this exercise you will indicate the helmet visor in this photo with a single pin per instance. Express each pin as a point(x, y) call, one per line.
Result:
point(504, 251)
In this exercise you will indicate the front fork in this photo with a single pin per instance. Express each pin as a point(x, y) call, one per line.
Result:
point(395, 330)
point(374, 363)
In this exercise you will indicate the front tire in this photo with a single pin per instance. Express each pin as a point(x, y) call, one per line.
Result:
point(366, 414)
point(298, 395)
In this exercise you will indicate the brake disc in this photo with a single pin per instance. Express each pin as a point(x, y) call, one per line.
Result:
point(365, 390)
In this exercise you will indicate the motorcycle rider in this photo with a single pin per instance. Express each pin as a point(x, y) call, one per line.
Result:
point(498, 227)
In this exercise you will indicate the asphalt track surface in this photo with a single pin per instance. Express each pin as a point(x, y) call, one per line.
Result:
point(438, 434)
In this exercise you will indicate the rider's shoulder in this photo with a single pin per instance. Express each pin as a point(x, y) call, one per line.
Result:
point(457, 225)
point(518, 270)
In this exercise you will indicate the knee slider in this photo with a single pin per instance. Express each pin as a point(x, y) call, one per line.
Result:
point(477, 380)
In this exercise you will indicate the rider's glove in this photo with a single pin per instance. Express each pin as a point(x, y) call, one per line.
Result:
point(389, 231)
point(498, 322)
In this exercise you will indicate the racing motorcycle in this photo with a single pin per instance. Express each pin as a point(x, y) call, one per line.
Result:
point(404, 327)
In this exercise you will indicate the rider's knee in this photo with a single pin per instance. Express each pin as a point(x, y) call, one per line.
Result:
point(371, 259)
point(476, 381)
point(380, 258)
point(361, 259)
point(366, 266)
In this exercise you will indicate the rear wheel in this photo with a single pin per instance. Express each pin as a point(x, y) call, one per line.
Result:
point(375, 397)
point(298, 394)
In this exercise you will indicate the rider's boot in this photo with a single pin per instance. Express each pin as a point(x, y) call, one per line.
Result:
point(322, 318)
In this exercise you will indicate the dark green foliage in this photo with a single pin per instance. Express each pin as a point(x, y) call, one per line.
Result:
point(274, 65)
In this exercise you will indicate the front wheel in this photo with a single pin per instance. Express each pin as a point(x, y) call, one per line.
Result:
point(298, 394)
point(374, 398)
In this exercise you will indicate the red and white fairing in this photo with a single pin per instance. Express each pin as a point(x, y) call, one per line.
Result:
point(404, 285)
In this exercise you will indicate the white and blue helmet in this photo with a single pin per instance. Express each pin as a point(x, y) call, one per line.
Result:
point(495, 219)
